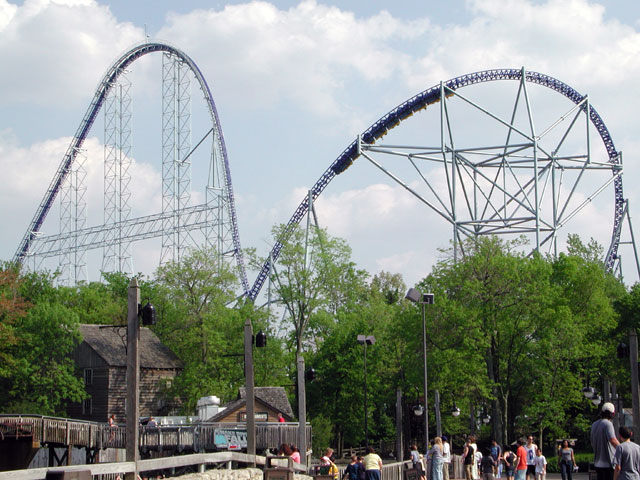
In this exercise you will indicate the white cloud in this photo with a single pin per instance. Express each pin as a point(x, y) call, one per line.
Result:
point(58, 50)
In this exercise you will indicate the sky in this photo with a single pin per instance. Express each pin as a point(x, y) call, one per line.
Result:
point(294, 84)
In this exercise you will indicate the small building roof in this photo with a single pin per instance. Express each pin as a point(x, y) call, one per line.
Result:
point(276, 397)
point(109, 342)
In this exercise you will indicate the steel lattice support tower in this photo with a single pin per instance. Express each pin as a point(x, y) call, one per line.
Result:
point(73, 217)
point(176, 145)
point(117, 160)
point(180, 224)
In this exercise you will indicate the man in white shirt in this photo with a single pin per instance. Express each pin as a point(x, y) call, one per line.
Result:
point(446, 457)
point(531, 449)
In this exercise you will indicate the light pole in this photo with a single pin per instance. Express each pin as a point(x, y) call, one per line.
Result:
point(366, 340)
point(135, 312)
point(250, 397)
point(424, 299)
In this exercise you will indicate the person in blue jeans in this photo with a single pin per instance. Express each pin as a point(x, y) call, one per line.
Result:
point(567, 460)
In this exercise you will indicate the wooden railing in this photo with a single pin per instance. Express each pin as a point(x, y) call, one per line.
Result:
point(196, 437)
point(390, 471)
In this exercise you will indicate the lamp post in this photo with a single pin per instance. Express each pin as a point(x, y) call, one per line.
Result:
point(366, 340)
point(250, 397)
point(424, 299)
point(135, 312)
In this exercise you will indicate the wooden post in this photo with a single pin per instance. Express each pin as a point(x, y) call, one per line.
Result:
point(633, 359)
point(399, 442)
point(250, 394)
point(302, 411)
point(133, 377)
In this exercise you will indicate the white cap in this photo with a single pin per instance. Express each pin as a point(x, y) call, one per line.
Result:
point(608, 407)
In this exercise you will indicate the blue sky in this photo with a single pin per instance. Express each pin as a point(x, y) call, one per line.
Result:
point(294, 83)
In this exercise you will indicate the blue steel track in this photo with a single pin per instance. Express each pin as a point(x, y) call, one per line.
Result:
point(421, 101)
point(85, 126)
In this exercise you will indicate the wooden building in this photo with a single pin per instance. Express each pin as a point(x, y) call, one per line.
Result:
point(269, 402)
point(101, 359)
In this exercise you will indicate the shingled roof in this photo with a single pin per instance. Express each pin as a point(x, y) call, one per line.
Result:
point(109, 343)
point(274, 396)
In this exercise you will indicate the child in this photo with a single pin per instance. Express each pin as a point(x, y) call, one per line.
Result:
point(487, 465)
point(541, 465)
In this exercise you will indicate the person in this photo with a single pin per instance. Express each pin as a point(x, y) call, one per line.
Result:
point(566, 460)
point(477, 458)
point(112, 427)
point(372, 464)
point(446, 457)
point(626, 459)
point(469, 455)
point(487, 465)
point(415, 459)
point(361, 473)
point(285, 451)
point(496, 453)
point(478, 461)
point(541, 465)
point(604, 442)
point(351, 472)
point(509, 459)
point(280, 418)
point(521, 460)
point(152, 423)
point(327, 467)
point(295, 454)
point(436, 459)
point(531, 449)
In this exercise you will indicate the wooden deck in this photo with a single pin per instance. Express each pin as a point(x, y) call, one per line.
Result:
point(51, 431)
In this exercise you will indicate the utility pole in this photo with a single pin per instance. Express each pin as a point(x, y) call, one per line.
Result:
point(250, 393)
point(133, 377)
point(302, 410)
point(633, 359)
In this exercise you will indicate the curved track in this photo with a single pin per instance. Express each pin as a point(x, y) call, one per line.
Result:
point(101, 92)
point(421, 101)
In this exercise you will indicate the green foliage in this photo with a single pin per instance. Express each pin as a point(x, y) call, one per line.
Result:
point(38, 373)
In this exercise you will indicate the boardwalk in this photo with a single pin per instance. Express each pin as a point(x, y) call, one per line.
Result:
point(22, 435)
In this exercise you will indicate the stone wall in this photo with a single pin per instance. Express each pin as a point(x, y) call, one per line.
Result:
point(244, 474)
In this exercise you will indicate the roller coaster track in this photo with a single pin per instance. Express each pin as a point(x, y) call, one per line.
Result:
point(89, 118)
point(429, 97)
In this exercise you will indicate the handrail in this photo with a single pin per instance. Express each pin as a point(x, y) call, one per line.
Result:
point(144, 465)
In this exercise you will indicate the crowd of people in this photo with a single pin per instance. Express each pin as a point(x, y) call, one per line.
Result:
point(615, 458)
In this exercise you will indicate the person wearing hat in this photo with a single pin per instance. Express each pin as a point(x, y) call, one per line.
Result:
point(604, 442)
point(446, 457)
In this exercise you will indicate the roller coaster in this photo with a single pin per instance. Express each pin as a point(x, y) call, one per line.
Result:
point(511, 179)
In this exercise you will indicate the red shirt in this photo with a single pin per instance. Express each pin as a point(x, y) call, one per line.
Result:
point(522, 458)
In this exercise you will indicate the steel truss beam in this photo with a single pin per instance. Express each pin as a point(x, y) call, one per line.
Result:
point(487, 193)
point(135, 229)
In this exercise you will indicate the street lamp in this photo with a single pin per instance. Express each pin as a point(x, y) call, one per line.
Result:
point(588, 392)
point(424, 299)
point(250, 398)
point(366, 340)
point(455, 411)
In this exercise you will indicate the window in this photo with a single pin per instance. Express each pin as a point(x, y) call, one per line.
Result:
point(88, 376)
point(87, 406)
